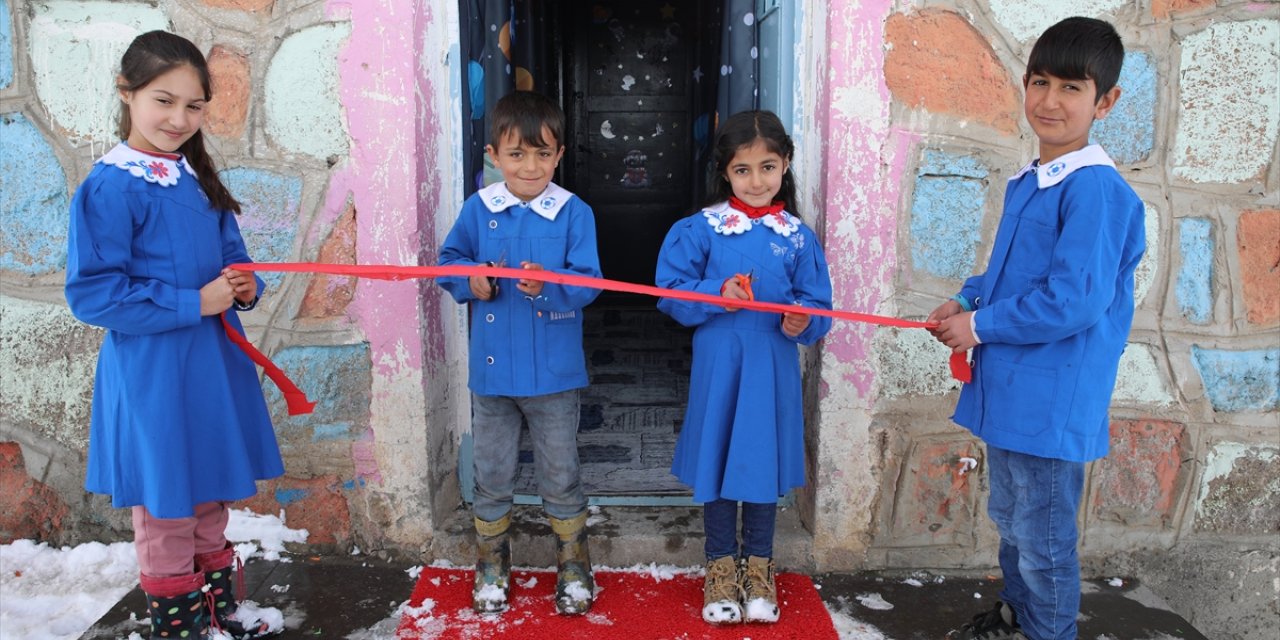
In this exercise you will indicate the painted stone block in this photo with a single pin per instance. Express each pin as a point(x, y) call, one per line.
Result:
point(306, 64)
point(315, 504)
point(934, 501)
point(6, 46)
point(1027, 19)
point(75, 50)
point(1139, 480)
point(1162, 9)
point(1195, 278)
point(1258, 240)
point(1230, 102)
point(231, 85)
point(938, 61)
point(47, 363)
point(252, 6)
point(269, 202)
point(338, 378)
point(1239, 380)
point(33, 200)
point(1240, 490)
point(328, 296)
point(1128, 133)
point(29, 509)
point(946, 214)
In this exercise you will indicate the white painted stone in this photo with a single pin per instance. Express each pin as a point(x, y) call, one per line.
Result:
point(303, 110)
point(57, 356)
point(1230, 102)
point(1138, 380)
point(75, 50)
point(1027, 19)
point(912, 362)
point(1222, 459)
point(1149, 266)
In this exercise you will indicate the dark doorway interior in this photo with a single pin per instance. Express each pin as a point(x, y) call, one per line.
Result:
point(638, 84)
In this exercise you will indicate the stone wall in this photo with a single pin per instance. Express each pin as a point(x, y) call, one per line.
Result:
point(336, 124)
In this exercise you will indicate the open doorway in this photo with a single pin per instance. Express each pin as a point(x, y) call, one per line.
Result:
point(640, 84)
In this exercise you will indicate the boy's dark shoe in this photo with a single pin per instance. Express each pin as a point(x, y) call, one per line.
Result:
point(492, 586)
point(1000, 623)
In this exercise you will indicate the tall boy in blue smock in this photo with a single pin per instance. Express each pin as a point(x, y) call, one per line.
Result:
point(1047, 323)
point(526, 344)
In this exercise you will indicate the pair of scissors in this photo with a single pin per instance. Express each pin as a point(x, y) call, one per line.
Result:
point(493, 280)
point(744, 281)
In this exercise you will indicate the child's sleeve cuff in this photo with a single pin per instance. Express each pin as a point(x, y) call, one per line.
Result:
point(963, 302)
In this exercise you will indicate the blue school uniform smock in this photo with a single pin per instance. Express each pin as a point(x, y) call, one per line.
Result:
point(178, 414)
point(521, 345)
point(1053, 309)
point(743, 433)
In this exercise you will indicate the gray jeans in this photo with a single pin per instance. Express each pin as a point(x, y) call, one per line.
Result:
point(553, 427)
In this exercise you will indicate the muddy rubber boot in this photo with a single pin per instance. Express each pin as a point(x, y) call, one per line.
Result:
point(176, 605)
point(241, 623)
point(759, 591)
point(492, 587)
point(575, 586)
point(722, 592)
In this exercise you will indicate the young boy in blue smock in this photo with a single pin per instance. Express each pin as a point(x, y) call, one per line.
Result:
point(1047, 323)
point(526, 344)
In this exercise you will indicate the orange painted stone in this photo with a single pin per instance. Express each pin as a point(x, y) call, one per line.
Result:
point(328, 296)
point(938, 61)
point(242, 5)
point(29, 509)
point(315, 504)
point(1139, 479)
point(231, 85)
point(934, 501)
point(1258, 238)
point(1162, 9)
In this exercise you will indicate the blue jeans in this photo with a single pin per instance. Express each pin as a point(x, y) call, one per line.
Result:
point(1034, 502)
point(719, 518)
point(553, 427)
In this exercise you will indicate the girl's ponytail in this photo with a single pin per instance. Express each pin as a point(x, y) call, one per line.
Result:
point(219, 197)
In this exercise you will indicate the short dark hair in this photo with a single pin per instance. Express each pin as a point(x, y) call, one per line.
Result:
point(527, 112)
point(1078, 49)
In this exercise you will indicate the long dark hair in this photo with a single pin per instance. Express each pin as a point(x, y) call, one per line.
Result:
point(741, 130)
point(150, 56)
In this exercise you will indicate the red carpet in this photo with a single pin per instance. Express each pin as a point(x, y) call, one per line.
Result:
point(629, 606)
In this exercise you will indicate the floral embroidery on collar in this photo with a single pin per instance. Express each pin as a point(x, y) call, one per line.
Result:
point(497, 198)
point(728, 221)
point(152, 168)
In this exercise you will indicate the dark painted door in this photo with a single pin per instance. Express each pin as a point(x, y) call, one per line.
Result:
point(630, 74)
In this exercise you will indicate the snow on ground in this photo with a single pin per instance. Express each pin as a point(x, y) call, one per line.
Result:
point(849, 627)
point(57, 594)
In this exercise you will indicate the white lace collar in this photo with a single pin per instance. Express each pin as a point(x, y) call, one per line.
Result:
point(728, 221)
point(1065, 165)
point(152, 168)
point(497, 198)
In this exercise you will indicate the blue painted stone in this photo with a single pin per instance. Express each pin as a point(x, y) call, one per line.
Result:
point(1239, 380)
point(288, 496)
point(269, 202)
point(1128, 133)
point(339, 379)
point(946, 214)
point(1195, 279)
point(6, 46)
point(33, 200)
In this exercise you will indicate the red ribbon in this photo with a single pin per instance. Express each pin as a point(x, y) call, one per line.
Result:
point(960, 368)
point(293, 396)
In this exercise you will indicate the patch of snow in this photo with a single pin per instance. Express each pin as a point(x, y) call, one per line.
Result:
point(414, 572)
point(1116, 582)
point(913, 582)
point(849, 627)
point(59, 593)
point(759, 609)
point(528, 584)
point(874, 601)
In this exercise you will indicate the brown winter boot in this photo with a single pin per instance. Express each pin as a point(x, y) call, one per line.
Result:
point(227, 615)
point(575, 586)
point(493, 566)
point(759, 593)
point(721, 592)
point(176, 605)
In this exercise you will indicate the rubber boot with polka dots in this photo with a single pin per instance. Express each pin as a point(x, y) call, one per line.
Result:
point(176, 605)
point(228, 616)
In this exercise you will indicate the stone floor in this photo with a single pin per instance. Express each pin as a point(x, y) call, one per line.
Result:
point(355, 597)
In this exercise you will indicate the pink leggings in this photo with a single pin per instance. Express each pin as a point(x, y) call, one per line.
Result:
point(168, 546)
